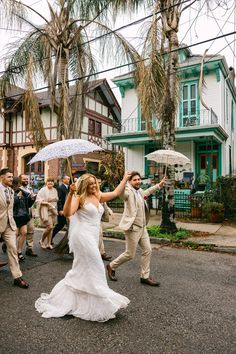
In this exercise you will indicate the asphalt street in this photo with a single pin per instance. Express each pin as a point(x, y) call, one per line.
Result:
point(194, 310)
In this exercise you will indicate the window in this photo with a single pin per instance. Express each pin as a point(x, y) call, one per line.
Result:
point(91, 127)
point(189, 104)
point(98, 129)
point(95, 128)
point(40, 166)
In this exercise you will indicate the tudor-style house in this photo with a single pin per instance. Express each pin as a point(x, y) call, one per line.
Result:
point(102, 117)
point(206, 136)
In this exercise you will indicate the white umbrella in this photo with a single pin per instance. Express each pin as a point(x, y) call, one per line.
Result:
point(168, 157)
point(64, 149)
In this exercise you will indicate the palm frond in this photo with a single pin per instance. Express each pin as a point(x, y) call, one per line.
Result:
point(33, 119)
point(151, 77)
point(11, 12)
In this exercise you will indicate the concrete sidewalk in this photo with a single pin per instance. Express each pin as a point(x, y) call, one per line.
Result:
point(222, 236)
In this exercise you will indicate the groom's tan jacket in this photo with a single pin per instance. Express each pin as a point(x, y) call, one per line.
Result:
point(134, 215)
point(6, 211)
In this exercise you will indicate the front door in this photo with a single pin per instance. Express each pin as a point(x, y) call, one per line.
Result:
point(208, 166)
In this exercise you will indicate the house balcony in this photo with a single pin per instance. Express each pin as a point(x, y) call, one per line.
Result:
point(201, 119)
point(204, 125)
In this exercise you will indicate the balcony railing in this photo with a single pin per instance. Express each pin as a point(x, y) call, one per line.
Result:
point(202, 118)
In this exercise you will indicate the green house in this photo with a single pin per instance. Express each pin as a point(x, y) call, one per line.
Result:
point(206, 136)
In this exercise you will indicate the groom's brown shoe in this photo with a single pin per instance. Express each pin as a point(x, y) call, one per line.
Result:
point(111, 273)
point(106, 257)
point(149, 281)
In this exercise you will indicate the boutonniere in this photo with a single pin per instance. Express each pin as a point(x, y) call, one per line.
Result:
point(145, 197)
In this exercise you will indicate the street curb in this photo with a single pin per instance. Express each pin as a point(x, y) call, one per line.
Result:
point(209, 247)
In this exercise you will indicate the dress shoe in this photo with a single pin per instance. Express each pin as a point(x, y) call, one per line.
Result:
point(21, 257)
point(111, 273)
point(106, 257)
point(30, 252)
point(21, 283)
point(4, 247)
point(2, 264)
point(149, 281)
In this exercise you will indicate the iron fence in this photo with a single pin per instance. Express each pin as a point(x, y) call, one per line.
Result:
point(186, 206)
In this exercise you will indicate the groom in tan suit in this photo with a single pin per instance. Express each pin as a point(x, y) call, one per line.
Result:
point(133, 222)
point(8, 226)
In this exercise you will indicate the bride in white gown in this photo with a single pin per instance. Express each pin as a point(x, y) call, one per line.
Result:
point(84, 291)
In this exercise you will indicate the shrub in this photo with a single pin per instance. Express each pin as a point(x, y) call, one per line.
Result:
point(154, 231)
point(214, 207)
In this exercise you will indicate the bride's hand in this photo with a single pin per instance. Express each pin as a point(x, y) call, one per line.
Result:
point(72, 188)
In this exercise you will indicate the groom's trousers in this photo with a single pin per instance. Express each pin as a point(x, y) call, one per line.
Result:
point(136, 236)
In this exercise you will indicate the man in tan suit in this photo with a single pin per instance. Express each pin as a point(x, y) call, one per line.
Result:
point(133, 222)
point(8, 226)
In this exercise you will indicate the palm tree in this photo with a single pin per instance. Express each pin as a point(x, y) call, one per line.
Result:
point(58, 51)
point(158, 85)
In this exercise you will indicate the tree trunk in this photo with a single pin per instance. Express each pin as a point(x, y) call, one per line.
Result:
point(168, 223)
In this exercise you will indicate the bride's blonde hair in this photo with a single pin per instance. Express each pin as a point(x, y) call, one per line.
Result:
point(82, 187)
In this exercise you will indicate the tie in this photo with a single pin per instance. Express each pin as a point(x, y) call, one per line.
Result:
point(7, 196)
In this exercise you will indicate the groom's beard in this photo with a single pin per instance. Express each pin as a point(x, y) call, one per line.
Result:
point(136, 188)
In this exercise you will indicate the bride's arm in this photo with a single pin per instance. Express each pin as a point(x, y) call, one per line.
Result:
point(71, 203)
point(105, 197)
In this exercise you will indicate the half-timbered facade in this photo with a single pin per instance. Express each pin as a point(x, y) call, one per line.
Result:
point(102, 117)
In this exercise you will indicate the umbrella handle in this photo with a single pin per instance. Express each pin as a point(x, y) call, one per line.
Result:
point(69, 169)
point(68, 163)
point(165, 170)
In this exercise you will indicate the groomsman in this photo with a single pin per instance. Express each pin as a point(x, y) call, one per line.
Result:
point(133, 222)
point(62, 194)
point(8, 226)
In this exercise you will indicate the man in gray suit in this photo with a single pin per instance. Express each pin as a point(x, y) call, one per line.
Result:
point(133, 222)
point(8, 226)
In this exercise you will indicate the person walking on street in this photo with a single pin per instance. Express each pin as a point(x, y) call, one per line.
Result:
point(21, 215)
point(8, 226)
point(47, 199)
point(24, 186)
point(62, 191)
point(133, 222)
point(84, 291)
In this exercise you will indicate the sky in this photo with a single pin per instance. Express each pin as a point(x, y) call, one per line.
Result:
point(197, 24)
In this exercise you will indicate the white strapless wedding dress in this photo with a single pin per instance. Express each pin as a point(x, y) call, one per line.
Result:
point(84, 291)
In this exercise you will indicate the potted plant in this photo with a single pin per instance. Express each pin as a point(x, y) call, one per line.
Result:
point(215, 211)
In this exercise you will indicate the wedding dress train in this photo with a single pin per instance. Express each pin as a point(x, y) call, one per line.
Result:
point(84, 291)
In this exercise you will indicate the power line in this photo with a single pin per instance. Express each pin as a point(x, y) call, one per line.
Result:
point(112, 31)
point(132, 63)
point(221, 28)
point(197, 15)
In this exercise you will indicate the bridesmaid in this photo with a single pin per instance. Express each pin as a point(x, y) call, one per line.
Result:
point(47, 199)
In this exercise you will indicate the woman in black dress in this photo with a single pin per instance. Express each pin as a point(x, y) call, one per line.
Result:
point(21, 215)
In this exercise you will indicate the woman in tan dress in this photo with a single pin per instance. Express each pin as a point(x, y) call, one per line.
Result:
point(47, 201)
